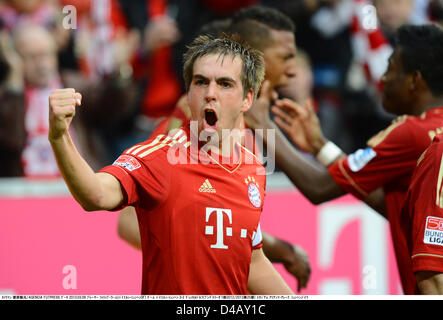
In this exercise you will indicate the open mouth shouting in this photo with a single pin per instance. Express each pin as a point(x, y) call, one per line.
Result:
point(210, 119)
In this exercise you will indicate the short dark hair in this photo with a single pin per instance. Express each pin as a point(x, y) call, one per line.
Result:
point(270, 17)
point(253, 24)
point(215, 28)
point(253, 69)
point(421, 49)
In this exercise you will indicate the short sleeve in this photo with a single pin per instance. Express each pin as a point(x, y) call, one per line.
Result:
point(389, 155)
point(145, 180)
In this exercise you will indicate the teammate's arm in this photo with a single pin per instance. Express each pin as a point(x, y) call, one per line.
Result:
point(302, 126)
point(293, 257)
point(128, 229)
point(313, 181)
point(430, 282)
point(93, 191)
point(263, 278)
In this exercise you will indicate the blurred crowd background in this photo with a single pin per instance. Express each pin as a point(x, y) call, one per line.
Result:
point(125, 58)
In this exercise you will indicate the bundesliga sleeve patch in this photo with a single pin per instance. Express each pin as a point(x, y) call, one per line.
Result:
point(359, 159)
point(434, 231)
point(127, 162)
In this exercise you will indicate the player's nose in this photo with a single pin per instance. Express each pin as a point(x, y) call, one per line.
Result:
point(211, 90)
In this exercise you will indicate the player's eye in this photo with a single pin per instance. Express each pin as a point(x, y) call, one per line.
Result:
point(225, 84)
point(199, 82)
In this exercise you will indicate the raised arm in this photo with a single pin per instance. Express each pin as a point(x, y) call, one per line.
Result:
point(312, 180)
point(93, 191)
point(302, 126)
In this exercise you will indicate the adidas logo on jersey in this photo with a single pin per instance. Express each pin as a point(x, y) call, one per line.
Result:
point(207, 187)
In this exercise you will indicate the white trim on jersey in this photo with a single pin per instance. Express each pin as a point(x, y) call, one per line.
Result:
point(258, 237)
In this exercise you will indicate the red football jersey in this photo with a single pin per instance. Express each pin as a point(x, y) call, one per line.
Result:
point(388, 162)
point(198, 215)
point(423, 211)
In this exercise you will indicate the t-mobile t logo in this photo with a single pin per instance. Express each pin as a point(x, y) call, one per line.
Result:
point(220, 227)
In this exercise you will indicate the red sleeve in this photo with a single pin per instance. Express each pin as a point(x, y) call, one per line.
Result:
point(425, 208)
point(390, 154)
point(144, 174)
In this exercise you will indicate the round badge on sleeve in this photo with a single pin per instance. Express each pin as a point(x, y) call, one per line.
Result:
point(253, 192)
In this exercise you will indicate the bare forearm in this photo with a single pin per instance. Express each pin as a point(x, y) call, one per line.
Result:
point(275, 249)
point(313, 181)
point(430, 282)
point(128, 228)
point(376, 200)
point(82, 181)
point(264, 279)
point(93, 191)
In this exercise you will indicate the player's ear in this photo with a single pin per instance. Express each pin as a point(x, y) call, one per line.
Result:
point(416, 82)
point(247, 101)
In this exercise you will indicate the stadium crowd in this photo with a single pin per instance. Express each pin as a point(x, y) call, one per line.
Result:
point(125, 58)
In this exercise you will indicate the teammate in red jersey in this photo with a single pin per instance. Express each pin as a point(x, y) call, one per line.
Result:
point(199, 216)
point(412, 87)
point(422, 219)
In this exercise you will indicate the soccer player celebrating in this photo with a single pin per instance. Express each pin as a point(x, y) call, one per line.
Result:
point(271, 32)
point(422, 219)
point(413, 88)
point(199, 215)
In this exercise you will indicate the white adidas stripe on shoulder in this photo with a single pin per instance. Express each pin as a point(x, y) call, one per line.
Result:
point(158, 143)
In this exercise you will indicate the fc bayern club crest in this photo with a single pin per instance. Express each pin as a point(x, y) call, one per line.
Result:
point(254, 195)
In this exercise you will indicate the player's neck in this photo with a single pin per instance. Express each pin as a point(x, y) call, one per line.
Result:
point(229, 153)
point(433, 102)
point(230, 138)
point(225, 145)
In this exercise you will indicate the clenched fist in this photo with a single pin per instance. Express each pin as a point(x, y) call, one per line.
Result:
point(62, 104)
